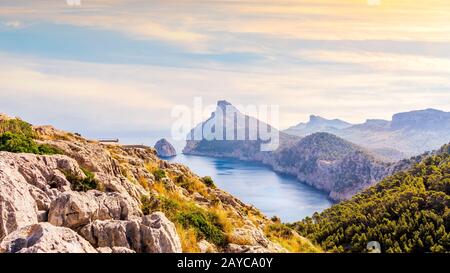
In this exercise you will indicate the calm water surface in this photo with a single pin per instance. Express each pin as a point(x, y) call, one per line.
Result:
point(253, 183)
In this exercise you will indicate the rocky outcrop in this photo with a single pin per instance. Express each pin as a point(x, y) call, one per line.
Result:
point(151, 234)
point(164, 148)
point(28, 184)
point(159, 234)
point(45, 238)
point(17, 206)
point(77, 209)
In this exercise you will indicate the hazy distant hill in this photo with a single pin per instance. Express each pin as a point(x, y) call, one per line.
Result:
point(407, 134)
point(317, 124)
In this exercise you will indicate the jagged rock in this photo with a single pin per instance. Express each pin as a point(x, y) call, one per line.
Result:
point(76, 209)
point(159, 234)
point(252, 239)
point(206, 247)
point(45, 238)
point(151, 234)
point(252, 236)
point(114, 233)
point(44, 172)
point(164, 148)
point(234, 248)
point(17, 206)
point(115, 250)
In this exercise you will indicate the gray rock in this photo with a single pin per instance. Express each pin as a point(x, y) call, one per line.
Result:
point(17, 206)
point(45, 238)
point(77, 209)
point(151, 234)
point(159, 234)
point(115, 250)
point(164, 148)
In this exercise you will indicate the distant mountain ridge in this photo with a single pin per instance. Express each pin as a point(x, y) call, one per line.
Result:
point(406, 135)
point(317, 124)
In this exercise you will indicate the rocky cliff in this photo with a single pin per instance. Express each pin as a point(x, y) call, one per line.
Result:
point(60, 192)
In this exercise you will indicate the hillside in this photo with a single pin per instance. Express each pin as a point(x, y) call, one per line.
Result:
point(330, 163)
point(406, 212)
point(60, 192)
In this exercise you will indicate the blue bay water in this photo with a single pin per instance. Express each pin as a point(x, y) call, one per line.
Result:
point(255, 184)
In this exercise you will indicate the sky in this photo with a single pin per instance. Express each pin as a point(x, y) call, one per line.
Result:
point(109, 66)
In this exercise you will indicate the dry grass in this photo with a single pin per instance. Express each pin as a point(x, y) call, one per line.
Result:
point(151, 166)
point(144, 182)
point(188, 238)
point(289, 239)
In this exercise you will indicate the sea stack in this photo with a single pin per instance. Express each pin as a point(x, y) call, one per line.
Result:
point(164, 148)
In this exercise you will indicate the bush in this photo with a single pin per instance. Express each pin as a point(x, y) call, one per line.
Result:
point(205, 224)
point(159, 174)
point(208, 181)
point(20, 143)
point(84, 184)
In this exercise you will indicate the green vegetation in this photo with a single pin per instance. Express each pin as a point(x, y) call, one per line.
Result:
point(407, 212)
point(84, 184)
point(20, 143)
point(208, 181)
point(206, 224)
point(159, 174)
point(17, 136)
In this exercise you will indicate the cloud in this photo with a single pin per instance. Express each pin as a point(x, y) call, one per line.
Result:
point(12, 24)
point(136, 59)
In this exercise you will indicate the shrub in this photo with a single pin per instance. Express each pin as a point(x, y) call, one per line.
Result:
point(84, 184)
point(159, 174)
point(205, 224)
point(208, 181)
point(20, 143)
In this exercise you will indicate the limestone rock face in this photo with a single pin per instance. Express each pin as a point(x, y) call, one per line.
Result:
point(164, 148)
point(113, 233)
point(252, 240)
point(151, 234)
point(159, 234)
point(115, 250)
point(17, 206)
point(77, 209)
point(45, 238)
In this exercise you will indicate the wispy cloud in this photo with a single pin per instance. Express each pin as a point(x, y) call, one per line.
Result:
point(124, 64)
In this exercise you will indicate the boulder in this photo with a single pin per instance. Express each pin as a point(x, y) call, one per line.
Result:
point(17, 206)
point(45, 238)
point(206, 247)
point(164, 148)
point(77, 209)
point(114, 233)
point(151, 234)
point(122, 250)
point(159, 235)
